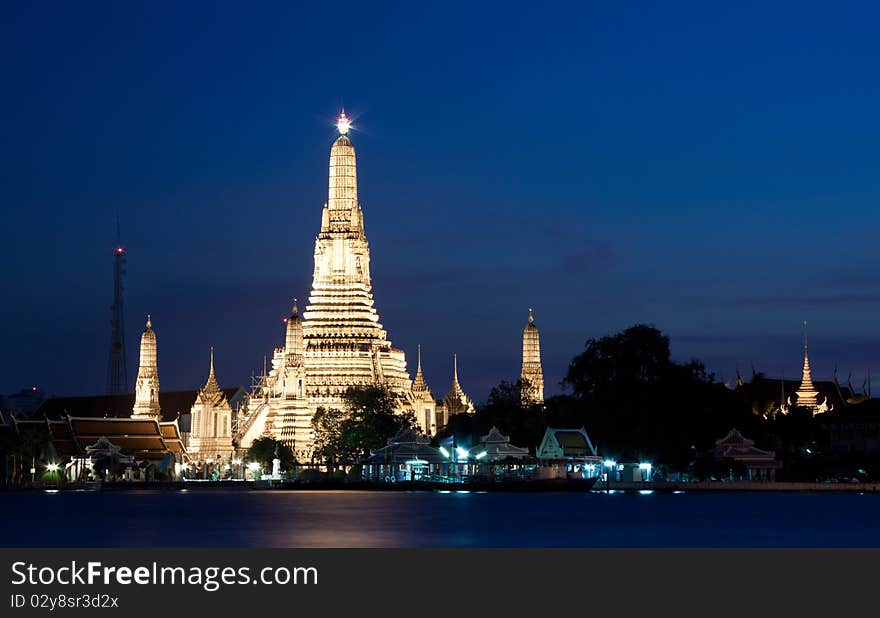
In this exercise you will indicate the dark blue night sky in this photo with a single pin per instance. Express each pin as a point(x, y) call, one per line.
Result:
point(710, 169)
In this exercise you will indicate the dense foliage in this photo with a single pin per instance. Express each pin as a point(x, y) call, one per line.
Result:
point(263, 451)
point(366, 423)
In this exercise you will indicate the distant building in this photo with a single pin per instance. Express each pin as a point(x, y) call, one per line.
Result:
point(770, 396)
point(496, 447)
point(532, 375)
point(746, 462)
point(565, 453)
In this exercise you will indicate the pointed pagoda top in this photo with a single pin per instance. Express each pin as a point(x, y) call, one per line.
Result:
point(211, 387)
point(342, 195)
point(807, 395)
point(419, 383)
point(456, 400)
point(149, 322)
point(531, 316)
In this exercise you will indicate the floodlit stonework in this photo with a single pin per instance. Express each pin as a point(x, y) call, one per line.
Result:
point(211, 435)
point(146, 390)
point(429, 412)
point(531, 373)
point(338, 342)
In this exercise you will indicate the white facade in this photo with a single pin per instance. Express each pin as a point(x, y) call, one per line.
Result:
point(532, 375)
point(146, 390)
point(211, 431)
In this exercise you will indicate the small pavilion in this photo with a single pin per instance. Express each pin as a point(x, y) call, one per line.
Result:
point(740, 452)
point(408, 456)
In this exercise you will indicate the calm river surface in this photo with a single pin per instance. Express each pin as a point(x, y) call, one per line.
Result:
point(424, 519)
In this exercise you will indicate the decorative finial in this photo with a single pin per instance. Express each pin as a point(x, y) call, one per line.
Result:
point(343, 123)
point(149, 321)
point(420, 359)
point(455, 366)
point(531, 317)
point(295, 308)
point(211, 371)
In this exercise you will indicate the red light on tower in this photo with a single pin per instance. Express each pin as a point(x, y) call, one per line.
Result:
point(120, 250)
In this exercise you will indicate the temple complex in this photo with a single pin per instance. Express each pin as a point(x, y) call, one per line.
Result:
point(532, 376)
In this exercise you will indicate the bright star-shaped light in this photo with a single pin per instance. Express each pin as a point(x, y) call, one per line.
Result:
point(343, 123)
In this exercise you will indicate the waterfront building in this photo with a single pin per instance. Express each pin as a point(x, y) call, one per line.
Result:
point(745, 460)
point(146, 402)
point(496, 447)
point(211, 422)
point(531, 376)
point(566, 453)
point(407, 456)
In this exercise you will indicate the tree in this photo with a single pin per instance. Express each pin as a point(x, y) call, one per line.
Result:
point(329, 446)
point(630, 395)
point(370, 417)
point(263, 452)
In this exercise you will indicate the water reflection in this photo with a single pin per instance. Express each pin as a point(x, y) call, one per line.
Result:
point(220, 518)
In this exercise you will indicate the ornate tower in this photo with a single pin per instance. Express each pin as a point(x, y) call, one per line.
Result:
point(117, 369)
point(345, 345)
point(532, 374)
point(146, 390)
point(425, 404)
point(211, 421)
point(807, 395)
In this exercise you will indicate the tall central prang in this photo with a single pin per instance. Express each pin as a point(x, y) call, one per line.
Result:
point(345, 345)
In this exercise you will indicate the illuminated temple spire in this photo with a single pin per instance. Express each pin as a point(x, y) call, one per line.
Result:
point(146, 402)
point(807, 395)
point(345, 345)
point(211, 387)
point(419, 384)
point(532, 375)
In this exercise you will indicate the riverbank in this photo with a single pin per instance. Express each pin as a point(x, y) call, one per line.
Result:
point(533, 486)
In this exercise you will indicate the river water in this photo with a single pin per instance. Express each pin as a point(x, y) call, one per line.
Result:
point(216, 518)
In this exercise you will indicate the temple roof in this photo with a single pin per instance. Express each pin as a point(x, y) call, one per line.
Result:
point(420, 385)
point(173, 403)
point(776, 391)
